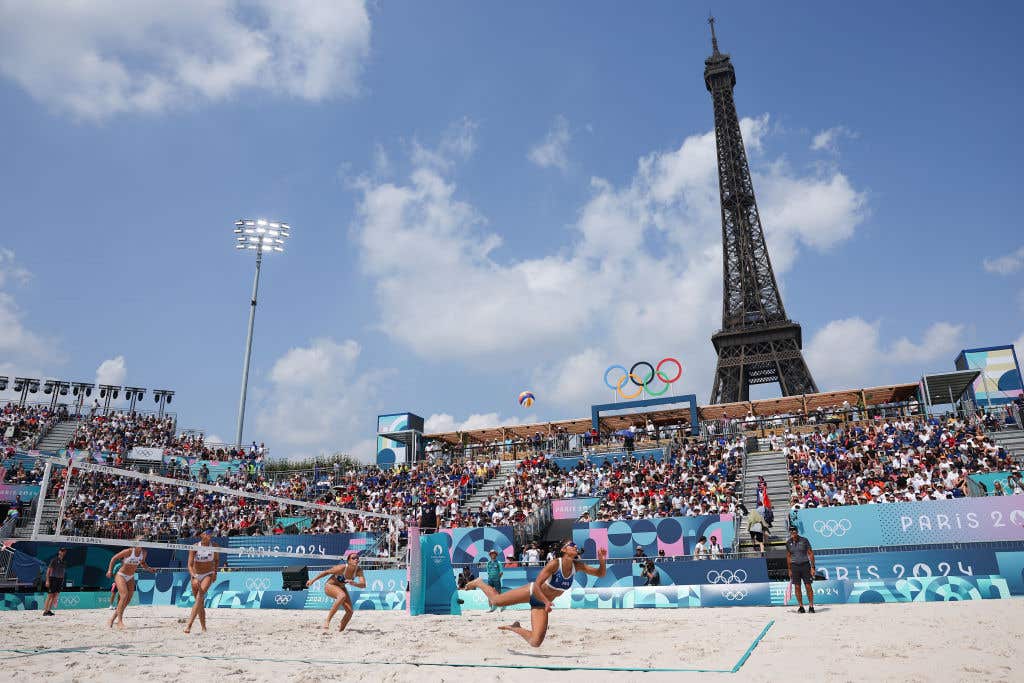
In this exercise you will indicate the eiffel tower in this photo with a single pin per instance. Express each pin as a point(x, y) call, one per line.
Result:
point(757, 344)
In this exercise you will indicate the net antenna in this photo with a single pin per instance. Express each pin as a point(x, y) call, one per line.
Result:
point(394, 522)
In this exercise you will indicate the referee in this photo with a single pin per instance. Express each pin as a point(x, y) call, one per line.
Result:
point(800, 560)
point(54, 581)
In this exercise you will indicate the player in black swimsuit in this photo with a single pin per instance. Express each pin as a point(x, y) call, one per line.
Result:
point(340, 575)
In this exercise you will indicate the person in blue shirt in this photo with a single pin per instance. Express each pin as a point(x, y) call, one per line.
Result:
point(494, 571)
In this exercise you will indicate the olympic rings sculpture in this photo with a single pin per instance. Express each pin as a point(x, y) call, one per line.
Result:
point(643, 383)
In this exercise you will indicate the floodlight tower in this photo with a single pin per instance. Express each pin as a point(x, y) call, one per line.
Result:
point(259, 236)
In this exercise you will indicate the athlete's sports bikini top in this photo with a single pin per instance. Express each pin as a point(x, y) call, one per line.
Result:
point(204, 553)
point(559, 581)
point(340, 578)
point(133, 558)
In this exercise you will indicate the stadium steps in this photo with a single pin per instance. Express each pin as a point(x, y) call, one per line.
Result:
point(48, 522)
point(58, 436)
point(473, 503)
point(1012, 440)
point(773, 467)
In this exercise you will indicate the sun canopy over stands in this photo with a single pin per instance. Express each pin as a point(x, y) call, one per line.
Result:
point(790, 405)
point(947, 387)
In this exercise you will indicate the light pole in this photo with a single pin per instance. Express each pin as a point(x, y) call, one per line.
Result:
point(259, 236)
point(162, 397)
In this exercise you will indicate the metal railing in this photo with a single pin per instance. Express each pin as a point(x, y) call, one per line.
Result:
point(8, 527)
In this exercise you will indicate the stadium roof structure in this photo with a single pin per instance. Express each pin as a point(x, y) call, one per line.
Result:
point(947, 387)
point(873, 396)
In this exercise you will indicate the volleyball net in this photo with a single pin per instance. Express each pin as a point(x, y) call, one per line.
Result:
point(85, 503)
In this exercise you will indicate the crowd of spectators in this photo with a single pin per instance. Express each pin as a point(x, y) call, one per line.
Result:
point(19, 474)
point(117, 433)
point(22, 426)
point(111, 437)
point(890, 460)
point(696, 478)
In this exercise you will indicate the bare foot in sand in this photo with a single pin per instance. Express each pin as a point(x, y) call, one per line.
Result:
point(515, 624)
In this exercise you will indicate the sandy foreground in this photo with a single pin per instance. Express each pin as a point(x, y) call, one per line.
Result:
point(905, 642)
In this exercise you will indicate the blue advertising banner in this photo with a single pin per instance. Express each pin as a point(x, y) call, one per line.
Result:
point(905, 564)
point(311, 544)
point(9, 493)
point(825, 593)
point(733, 595)
point(692, 572)
point(964, 520)
point(571, 508)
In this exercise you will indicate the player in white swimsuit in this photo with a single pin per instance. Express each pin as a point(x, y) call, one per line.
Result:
point(554, 579)
point(132, 560)
point(203, 560)
point(341, 574)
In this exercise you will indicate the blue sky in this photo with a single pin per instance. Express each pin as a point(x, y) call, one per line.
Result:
point(491, 197)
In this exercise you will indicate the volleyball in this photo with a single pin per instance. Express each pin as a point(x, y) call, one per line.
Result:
point(526, 399)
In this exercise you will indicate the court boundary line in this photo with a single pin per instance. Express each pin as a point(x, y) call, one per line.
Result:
point(458, 665)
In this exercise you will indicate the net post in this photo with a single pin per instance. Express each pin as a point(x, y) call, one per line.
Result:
point(413, 569)
point(63, 500)
point(44, 485)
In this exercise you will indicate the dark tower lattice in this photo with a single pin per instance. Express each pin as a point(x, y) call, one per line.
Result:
point(757, 344)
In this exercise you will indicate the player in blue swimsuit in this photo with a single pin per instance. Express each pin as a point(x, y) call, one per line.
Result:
point(341, 574)
point(554, 579)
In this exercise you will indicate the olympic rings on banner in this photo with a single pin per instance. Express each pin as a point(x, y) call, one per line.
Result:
point(643, 383)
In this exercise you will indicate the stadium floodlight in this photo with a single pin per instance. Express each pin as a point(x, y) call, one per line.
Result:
point(24, 385)
point(162, 397)
point(108, 392)
point(81, 390)
point(133, 394)
point(259, 235)
point(3, 382)
point(55, 389)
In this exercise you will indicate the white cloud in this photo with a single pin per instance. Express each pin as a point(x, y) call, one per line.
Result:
point(1006, 264)
point(10, 270)
point(98, 58)
point(554, 149)
point(939, 340)
point(443, 422)
point(850, 352)
point(23, 351)
point(828, 139)
point(112, 371)
point(310, 405)
point(842, 352)
point(641, 277)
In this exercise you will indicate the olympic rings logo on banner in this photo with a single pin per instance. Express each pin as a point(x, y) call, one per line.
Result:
point(282, 599)
point(70, 601)
point(257, 584)
point(727, 576)
point(734, 593)
point(643, 383)
point(832, 527)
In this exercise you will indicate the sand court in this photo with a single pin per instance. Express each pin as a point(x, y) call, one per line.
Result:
point(908, 642)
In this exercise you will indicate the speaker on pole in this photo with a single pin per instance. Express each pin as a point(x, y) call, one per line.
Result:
point(294, 578)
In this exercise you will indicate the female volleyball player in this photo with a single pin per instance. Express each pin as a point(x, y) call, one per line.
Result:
point(341, 574)
point(132, 561)
point(554, 579)
point(202, 567)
